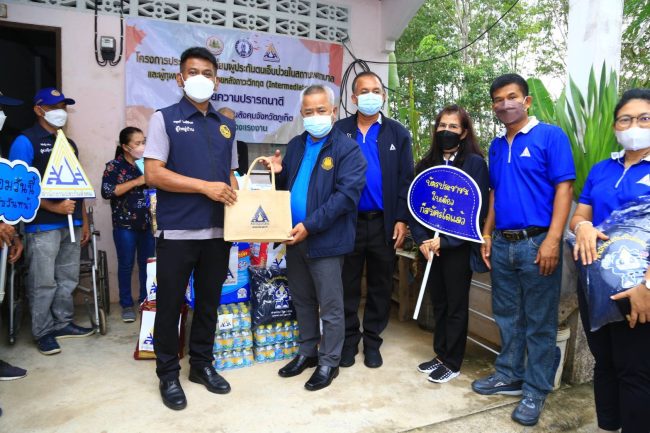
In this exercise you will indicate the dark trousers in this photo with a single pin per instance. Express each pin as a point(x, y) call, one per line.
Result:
point(127, 242)
point(175, 261)
point(621, 373)
point(371, 249)
point(317, 290)
point(449, 282)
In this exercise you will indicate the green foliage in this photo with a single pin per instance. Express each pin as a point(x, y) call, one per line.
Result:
point(635, 52)
point(587, 122)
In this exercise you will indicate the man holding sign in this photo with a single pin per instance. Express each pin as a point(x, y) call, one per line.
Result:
point(531, 176)
point(52, 258)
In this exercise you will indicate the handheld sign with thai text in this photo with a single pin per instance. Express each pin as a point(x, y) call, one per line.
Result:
point(447, 200)
point(64, 178)
point(21, 189)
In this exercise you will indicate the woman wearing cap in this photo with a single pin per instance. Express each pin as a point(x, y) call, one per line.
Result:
point(621, 349)
point(123, 184)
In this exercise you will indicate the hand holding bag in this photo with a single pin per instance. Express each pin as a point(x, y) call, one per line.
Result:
point(258, 216)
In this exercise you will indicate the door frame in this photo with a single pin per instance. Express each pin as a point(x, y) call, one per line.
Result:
point(57, 35)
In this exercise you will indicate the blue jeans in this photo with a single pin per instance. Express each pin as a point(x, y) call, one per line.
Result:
point(525, 307)
point(127, 241)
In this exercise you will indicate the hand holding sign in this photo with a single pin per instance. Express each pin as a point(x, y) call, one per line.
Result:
point(446, 200)
point(64, 178)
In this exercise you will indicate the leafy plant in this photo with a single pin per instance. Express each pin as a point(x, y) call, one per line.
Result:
point(588, 122)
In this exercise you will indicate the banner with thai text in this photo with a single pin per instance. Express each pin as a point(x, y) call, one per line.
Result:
point(261, 74)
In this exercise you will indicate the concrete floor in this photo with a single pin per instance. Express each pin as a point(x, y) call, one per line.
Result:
point(94, 385)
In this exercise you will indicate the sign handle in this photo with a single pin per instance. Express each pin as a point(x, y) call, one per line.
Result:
point(424, 282)
point(3, 269)
point(71, 227)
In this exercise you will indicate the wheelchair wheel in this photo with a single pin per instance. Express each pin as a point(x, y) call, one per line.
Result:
point(103, 326)
point(103, 290)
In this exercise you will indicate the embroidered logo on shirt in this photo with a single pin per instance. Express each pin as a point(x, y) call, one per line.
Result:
point(260, 220)
point(225, 131)
point(645, 180)
point(327, 163)
point(525, 153)
point(392, 147)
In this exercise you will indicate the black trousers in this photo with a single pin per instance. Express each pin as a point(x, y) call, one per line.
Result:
point(175, 261)
point(370, 247)
point(621, 373)
point(448, 285)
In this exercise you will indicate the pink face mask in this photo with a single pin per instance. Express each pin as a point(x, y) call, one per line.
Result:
point(510, 111)
point(136, 152)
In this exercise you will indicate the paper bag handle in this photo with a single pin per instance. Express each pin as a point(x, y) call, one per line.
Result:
point(255, 161)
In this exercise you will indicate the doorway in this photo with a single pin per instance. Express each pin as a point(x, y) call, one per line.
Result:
point(31, 59)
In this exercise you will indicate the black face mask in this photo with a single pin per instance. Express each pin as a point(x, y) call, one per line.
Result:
point(447, 140)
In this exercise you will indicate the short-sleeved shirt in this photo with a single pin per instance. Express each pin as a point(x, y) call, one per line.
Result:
point(158, 148)
point(300, 188)
point(524, 173)
point(610, 185)
point(129, 210)
point(372, 197)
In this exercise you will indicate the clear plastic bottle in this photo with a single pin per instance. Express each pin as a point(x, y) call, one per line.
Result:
point(237, 340)
point(259, 355)
point(260, 336)
point(247, 338)
point(248, 357)
point(227, 341)
point(236, 318)
point(245, 317)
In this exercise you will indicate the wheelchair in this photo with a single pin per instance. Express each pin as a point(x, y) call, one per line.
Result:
point(94, 266)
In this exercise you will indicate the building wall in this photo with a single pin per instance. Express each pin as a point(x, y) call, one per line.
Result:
point(98, 116)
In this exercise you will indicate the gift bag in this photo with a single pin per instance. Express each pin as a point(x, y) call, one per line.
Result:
point(144, 346)
point(270, 297)
point(621, 262)
point(258, 216)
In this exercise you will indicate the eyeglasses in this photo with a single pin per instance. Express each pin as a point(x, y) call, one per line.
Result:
point(625, 122)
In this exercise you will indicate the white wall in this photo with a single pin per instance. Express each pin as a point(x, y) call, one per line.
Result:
point(98, 116)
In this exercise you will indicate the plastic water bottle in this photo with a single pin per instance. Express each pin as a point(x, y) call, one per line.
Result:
point(227, 361)
point(245, 317)
point(260, 336)
point(259, 355)
point(237, 359)
point(248, 357)
point(227, 341)
point(247, 338)
point(236, 319)
point(295, 330)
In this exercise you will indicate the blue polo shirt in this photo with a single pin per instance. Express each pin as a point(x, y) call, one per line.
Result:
point(609, 185)
point(300, 187)
point(372, 195)
point(524, 173)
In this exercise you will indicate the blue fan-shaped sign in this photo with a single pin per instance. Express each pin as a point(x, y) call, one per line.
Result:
point(20, 189)
point(447, 200)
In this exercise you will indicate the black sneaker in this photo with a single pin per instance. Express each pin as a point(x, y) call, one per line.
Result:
point(9, 372)
point(442, 374)
point(47, 345)
point(429, 366)
point(73, 331)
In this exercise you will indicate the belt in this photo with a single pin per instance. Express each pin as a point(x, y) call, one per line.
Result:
point(519, 235)
point(367, 216)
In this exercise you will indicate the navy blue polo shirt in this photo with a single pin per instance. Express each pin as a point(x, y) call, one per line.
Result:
point(524, 173)
point(300, 188)
point(372, 195)
point(609, 185)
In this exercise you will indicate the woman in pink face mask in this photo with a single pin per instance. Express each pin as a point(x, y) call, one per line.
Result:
point(123, 184)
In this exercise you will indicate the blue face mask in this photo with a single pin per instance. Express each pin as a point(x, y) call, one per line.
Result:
point(370, 103)
point(318, 126)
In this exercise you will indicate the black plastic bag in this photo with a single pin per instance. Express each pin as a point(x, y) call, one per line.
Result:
point(270, 297)
point(621, 262)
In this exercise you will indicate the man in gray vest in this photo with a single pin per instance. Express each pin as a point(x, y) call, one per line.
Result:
point(190, 158)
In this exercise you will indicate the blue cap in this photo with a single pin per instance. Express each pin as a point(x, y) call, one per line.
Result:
point(51, 96)
point(6, 100)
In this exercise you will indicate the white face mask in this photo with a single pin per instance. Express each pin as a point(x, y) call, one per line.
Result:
point(56, 118)
point(3, 117)
point(198, 88)
point(634, 138)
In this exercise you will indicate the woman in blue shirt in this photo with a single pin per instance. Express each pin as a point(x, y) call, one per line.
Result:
point(123, 183)
point(454, 143)
point(621, 350)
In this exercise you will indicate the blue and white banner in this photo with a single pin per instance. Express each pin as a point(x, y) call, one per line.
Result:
point(447, 200)
point(21, 190)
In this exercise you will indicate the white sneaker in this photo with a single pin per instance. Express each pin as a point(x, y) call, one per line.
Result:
point(442, 374)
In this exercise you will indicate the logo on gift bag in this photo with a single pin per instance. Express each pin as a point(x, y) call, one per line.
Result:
point(628, 262)
point(260, 220)
point(281, 296)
